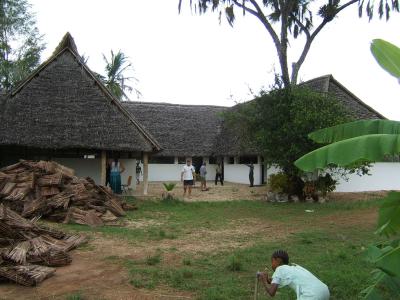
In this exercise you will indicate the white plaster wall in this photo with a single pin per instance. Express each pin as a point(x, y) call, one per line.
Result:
point(165, 172)
point(92, 168)
point(384, 176)
point(172, 172)
point(240, 173)
point(83, 167)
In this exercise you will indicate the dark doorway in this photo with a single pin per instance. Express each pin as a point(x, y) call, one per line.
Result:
point(197, 161)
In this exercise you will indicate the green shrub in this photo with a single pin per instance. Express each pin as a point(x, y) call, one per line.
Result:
point(169, 186)
point(279, 183)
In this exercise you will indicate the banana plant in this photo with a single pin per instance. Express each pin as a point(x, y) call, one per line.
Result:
point(369, 140)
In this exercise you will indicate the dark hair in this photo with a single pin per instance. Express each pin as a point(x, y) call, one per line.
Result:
point(282, 254)
point(116, 160)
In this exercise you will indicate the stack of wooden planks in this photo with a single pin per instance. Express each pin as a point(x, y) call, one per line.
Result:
point(29, 252)
point(48, 189)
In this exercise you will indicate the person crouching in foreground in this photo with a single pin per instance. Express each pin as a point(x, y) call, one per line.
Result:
point(302, 281)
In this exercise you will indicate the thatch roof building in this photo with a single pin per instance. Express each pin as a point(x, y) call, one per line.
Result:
point(62, 105)
point(182, 130)
point(199, 130)
point(353, 105)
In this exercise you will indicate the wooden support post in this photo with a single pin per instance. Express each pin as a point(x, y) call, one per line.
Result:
point(103, 168)
point(145, 173)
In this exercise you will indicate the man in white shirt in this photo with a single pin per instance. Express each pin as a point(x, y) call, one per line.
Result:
point(187, 177)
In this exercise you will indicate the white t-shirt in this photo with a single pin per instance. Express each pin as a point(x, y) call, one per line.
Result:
point(302, 281)
point(188, 172)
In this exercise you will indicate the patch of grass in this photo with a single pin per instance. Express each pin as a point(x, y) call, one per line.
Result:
point(234, 264)
point(333, 252)
point(225, 275)
point(153, 260)
point(75, 296)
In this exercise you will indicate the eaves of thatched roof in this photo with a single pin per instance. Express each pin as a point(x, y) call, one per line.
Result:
point(182, 130)
point(63, 105)
point(199, 130)
point(353, 105)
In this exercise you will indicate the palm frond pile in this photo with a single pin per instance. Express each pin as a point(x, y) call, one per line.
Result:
point(50, 190)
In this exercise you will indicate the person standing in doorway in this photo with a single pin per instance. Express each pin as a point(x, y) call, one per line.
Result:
point(108, 171)
point(218, 174)
point(187, 177)
point(203, 174)
point(138, 172)
point(115, 176)
point(251, 174)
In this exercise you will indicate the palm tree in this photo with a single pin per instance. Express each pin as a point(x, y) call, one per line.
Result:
point(115, 79)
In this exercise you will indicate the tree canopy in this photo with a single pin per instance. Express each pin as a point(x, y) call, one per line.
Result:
point(20, 42)
point(279, 122)
point(371, 141)
point(286, 19)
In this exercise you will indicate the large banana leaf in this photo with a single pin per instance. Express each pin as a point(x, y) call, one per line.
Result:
point(389, 212)
point(353, 129)
point(390, 262)
point(373, 147)
point(387, 55)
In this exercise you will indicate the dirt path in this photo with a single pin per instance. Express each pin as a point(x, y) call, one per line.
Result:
point(95, 276)
point(228, 192)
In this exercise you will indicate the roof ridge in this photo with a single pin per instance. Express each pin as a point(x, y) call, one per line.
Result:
point(66, 42)
point(355, 97)
point(172, 104)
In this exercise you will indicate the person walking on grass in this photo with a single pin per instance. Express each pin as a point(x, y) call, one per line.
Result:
point(203, 174)
point(305, 284)
point(187, 177)
point(218, 174)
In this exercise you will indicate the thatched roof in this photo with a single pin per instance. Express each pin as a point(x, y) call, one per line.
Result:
point(199, 130)
point(353, 105)
point(182, 130)
point(62, 105)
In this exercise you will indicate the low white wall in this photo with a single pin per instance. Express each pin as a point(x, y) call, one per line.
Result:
point(240, 173)
point(83, 167)
point(172, 172)
point(92, 168)
point(384, 176)
point(164, 172)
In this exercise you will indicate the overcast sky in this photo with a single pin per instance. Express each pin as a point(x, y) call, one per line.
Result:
point(183, 58)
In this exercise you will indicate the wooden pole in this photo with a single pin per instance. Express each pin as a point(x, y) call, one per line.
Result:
point(145, 173)
point(103, 168)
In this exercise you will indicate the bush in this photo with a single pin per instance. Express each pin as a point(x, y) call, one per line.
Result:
point(169, 186)
point(279, 183)
point(325, 184)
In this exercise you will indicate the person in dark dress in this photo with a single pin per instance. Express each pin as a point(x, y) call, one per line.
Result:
point(108, 171)
point(251, 174)
point(218, 175)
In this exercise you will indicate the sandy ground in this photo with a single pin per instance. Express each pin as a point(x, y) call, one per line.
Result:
point(236, 191)
point(229, 191)
point(95, 276)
